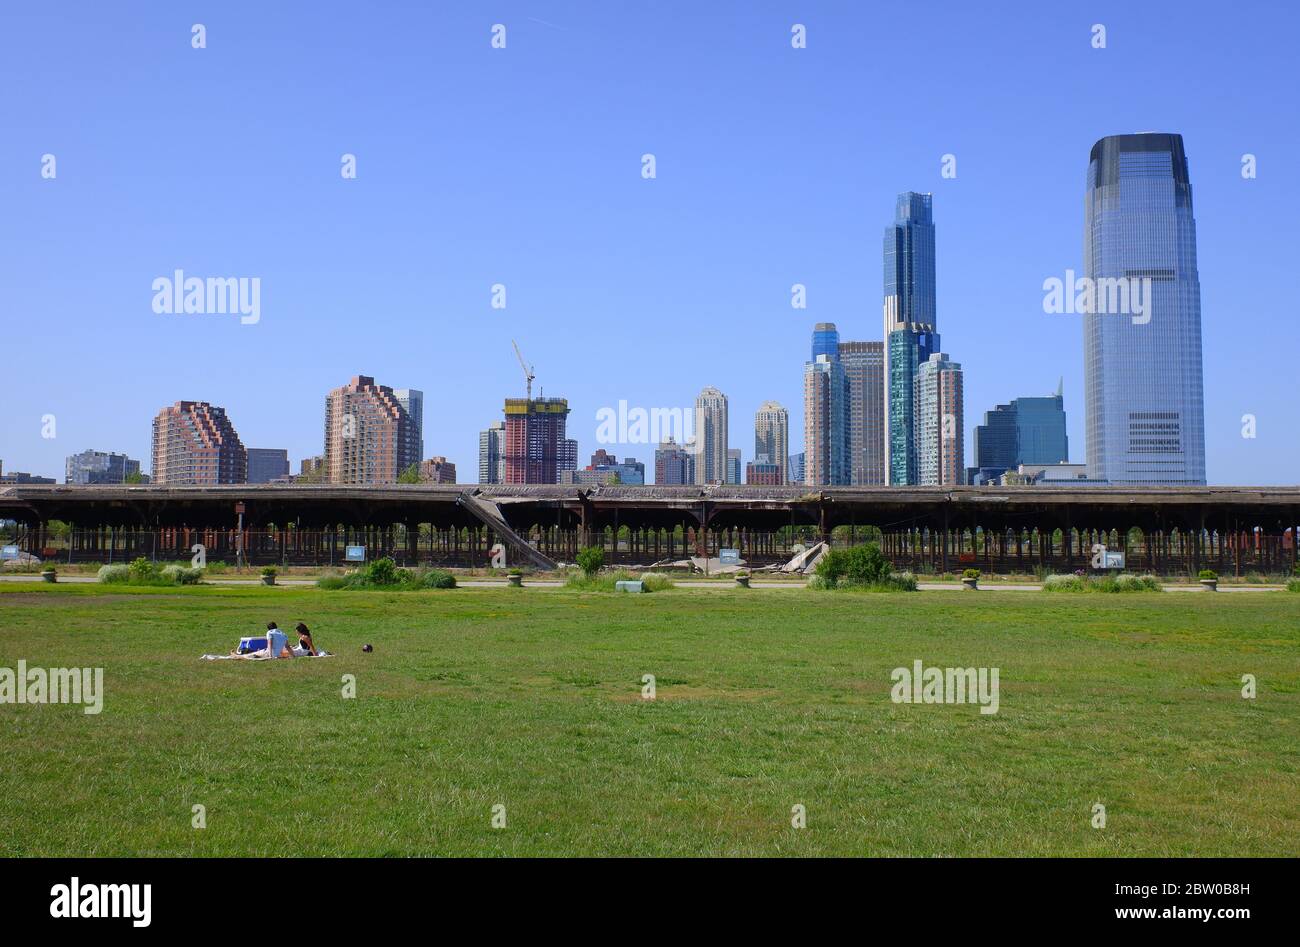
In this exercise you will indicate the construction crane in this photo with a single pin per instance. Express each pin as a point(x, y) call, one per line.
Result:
point(528, 369)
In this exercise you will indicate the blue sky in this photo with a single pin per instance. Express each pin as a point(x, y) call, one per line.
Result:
point(522, 166)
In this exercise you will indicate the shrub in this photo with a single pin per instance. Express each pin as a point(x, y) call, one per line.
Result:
point(590, 560)
point(1064, 583)
point(180, 575)
point(1110, 583)
point(971, 574)
point(437, 579)
point(114, 574)
point(270, 570)
point(142, 570)
point(860, 565)
point(1293, 585)
point(332, 583)
point(382, 572)
point(652, 581)
point(1207, 574)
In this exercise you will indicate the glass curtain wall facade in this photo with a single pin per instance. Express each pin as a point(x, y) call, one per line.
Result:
point(1144, 387)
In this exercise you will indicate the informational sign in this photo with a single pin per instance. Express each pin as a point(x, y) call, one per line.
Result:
point(8, 552)
point(355, 554)
point(1102, 558)
point(729, 557)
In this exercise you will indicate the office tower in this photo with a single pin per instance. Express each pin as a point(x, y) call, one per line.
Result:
point(492, 453)
point(864, 373)
point(437, 470)
point(97, 466)
point(369, 437)
point(568, 458)
point(602, 458)
point(795, 467)
point(413, 401)
point(762, 472)
point(710, 447)
point(535, 441)
point(772, 437)
point(823, 422)
point(940, 442)
point(910, 326)
point(195, 443)
point(1143, 385)
point(825, 340)
point(673, 464)
point(733, 465)
point(266, 464)
point(1025, 431)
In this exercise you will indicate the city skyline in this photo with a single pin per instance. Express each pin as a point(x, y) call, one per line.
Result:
point(744, 224)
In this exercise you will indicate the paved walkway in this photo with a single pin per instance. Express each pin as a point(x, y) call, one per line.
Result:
point(679, 583)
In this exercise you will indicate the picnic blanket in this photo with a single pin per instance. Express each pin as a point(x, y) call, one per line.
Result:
point(263, 655)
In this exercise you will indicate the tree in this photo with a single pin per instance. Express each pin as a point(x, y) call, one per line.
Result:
point(410, 475)
point(133, 477)
point(591, 559)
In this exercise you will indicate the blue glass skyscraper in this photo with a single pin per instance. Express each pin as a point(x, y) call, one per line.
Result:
point(825, 340)
point(910, 321)
point(1144, 389)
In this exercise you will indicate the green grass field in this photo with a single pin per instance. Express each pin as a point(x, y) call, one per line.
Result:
point(766, 699)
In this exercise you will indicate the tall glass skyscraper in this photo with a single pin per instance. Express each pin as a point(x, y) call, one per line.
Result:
point(1144, 389)
point(825, 340)
point(910, 321)
point(1025, 431)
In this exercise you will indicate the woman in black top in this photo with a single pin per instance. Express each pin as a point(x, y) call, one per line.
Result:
point(304, 639)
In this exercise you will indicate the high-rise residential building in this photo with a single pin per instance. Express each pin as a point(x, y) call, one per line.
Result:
point(771, 437)
point(369, 437)
point(1025, 431)
point(492, 453)
point(266, 464)
point(1142, 372)
point(941, 444)
point(864, 373)
point(97, 466)
point(195, 443)
point(710, 446)
point(910, 303)
point(824, 413)
point(908, 349)
point(437, 470)
point(413, 401)
point(536, 447)
point(794, 468)
point(674, 464)
point(733, 465)
point(763, 472)
point(568, 458)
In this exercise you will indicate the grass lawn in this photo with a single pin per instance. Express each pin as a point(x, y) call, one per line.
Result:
point(532, 699)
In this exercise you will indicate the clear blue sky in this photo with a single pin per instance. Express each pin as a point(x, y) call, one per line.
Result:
point(522, 166)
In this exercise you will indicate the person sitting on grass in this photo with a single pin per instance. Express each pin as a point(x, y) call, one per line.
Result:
point(277, 644)
point(304, 639)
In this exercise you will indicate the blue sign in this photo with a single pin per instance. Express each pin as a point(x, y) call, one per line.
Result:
point(355, 554)
point(8, 552)
point(729, 557)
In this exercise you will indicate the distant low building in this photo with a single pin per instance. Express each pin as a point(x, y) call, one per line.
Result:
point(267, 464)
point(763, 473)
point(630, 473)
point(438, 470)
point(97, 466)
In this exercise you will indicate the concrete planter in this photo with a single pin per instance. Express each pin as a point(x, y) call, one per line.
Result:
point(515, 579)
point(742, 581)
point(268, 580)
point(1210, 585)
point(49, 575)
point(969, 583)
